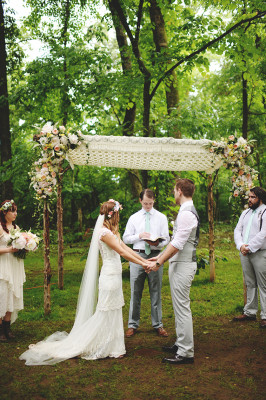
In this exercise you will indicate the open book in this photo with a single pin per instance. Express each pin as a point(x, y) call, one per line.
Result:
point(155, 238)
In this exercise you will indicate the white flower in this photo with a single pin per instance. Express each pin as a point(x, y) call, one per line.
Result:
point(43, 140)
point(31, 245)
point(47, 128)
point(64, 140)
point(19, 243)
point(55, 141)
point(73, 139)
point(241, 140)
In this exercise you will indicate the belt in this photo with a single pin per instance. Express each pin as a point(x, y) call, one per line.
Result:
point(139, 250)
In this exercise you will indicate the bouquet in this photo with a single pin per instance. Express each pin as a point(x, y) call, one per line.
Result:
point(23, 242)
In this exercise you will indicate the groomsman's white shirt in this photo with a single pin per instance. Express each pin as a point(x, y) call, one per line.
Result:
point(257, 237)
point(136, 225)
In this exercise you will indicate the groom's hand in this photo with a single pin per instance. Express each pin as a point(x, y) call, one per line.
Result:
point(154, 258)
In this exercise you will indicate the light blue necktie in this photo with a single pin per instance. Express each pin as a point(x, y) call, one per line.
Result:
point(147, 229)
point(249, 227)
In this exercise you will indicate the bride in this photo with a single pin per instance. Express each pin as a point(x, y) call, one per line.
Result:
point(96, 333)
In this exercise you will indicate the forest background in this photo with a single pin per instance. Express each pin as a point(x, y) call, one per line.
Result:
point(182, 69)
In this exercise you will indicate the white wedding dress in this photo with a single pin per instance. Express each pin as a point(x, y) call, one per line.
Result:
point(101, 334)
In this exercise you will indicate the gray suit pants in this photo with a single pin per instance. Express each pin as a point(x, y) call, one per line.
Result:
point(137, 280)
point(181, 275)
point(254, 269)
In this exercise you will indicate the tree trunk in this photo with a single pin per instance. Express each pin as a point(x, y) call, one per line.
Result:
point(161, 42)
point(47, 265)
point(245, 107)
point(130, 113)
point(80, 217)
point(65, 102)
point(5, 137)
point(60, 232)
point(211, 228)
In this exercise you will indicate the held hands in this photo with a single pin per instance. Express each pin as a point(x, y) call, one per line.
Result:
point(244, 249)
point(148, 267)
point(151, 264)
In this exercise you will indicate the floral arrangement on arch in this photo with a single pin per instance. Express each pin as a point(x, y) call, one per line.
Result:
point(235, 152)
point(55, 143)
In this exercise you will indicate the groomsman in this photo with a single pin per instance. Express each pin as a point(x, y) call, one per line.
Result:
point(181, 252)
point(143, 225)
point(250, 240)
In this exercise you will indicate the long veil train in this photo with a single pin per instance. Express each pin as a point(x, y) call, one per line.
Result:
point(60, 346)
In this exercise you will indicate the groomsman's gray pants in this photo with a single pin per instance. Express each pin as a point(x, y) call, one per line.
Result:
point(137, 280)
point(254, 269)
point(181, 275)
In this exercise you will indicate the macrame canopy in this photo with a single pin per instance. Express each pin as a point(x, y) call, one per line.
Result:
point(166, 154)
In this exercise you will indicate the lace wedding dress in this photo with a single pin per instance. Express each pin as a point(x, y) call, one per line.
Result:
point(101, 334)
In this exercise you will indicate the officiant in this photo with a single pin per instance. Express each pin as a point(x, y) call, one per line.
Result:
point(142, 231)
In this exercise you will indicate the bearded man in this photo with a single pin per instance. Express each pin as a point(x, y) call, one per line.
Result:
point(250, 240)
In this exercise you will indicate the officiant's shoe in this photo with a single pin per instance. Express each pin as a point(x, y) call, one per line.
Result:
point(263, 323)
point(178, 360)
point(170, 349)
point(244, 317)
point(131, 332)
point(161, 332)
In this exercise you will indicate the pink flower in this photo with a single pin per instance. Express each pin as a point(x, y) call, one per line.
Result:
point(231, 137)
point(57, 148)
point(55, 131)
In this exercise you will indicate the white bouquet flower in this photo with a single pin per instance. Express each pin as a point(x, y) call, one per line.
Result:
point(23, 242)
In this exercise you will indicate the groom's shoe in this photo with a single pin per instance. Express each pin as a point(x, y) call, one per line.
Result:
point(170, 349)
point(131, 332)
point(178, 360)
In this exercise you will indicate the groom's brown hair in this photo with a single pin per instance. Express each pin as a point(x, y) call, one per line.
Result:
point(186, 186)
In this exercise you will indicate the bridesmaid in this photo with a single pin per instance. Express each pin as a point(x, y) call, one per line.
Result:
point(12, 274)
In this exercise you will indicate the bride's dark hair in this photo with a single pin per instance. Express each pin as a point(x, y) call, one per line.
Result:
point(3, 214)
point(111, 217)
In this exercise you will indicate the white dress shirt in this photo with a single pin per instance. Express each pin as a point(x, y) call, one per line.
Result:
point(185, 222)
point(136, 225)
point(257, 237)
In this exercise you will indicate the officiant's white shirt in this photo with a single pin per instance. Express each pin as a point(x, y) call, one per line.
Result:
point(136, 225)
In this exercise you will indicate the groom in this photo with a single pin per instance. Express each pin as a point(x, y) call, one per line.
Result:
point(181, 252)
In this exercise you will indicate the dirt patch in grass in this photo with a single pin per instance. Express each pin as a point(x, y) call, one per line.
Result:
point(229, 364)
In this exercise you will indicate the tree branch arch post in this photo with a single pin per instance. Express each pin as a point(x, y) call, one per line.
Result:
point(211, 227)
point(47, 264)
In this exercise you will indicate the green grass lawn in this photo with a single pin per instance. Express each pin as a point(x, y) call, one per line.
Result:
point(222, 297)
point(229, 358)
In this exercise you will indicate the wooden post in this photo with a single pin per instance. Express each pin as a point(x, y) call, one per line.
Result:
point(47, 265)
point(211, 228)
point(60, 231)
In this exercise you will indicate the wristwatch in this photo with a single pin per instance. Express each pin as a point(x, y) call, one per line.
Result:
point(158, 264)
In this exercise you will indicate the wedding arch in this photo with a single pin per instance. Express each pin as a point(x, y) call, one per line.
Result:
point(143, 153)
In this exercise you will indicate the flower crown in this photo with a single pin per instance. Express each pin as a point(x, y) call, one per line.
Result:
point(7, 205)
point(116, 208)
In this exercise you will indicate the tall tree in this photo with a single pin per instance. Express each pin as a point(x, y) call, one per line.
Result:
point(5, 136)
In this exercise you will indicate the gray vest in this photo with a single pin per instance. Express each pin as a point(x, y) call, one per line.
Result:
point(188, 253)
